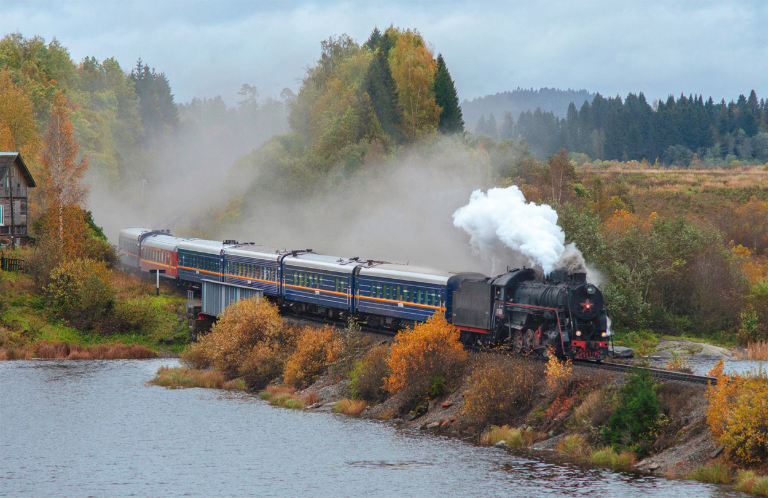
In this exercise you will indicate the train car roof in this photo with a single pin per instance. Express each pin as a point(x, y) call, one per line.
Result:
point(321, 262)
point(204, 246)
point(407, 272)
point(162, 241)
point(134, 232)
point(254, 251)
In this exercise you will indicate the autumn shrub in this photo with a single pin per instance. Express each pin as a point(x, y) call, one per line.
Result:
point(426, 359)
point(557, 371)
point(351, 407)
point(715, 473)
point(250, 341)
point(315, 350)
point(369, 375)
point(352, 344)
point(634, 421)
point(594, 410)
point(194, 356)
point(500, 388)
point(80, 292)
point(738, 415)
point(41, 260)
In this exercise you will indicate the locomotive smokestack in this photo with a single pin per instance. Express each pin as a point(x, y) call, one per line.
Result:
point(579, 278)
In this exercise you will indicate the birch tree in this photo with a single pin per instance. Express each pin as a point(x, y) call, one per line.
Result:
point(63, 168)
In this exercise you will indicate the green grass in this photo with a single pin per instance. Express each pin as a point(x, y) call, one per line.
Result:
point(749, 482)
point(151, 321)
point(607, 457)
point(716, 473)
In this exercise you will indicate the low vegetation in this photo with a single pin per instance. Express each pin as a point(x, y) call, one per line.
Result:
point(737, 415)
point(351, 407)
point(183, 377)
point(426, 360)
point(749, 482)
point(715, 473)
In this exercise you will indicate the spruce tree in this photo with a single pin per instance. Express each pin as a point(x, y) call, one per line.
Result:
point(451, 120)
point(380, 87)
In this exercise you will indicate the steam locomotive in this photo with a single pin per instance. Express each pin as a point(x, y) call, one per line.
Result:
point(518, 310)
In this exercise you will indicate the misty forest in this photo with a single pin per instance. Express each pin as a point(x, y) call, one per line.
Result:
point(374, 153)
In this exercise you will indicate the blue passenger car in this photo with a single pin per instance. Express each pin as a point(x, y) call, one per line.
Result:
point(393, 296)
point(318, 284)
point(254, 266)
point(200, 259)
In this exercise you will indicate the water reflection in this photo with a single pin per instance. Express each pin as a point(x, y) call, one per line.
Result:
point(96, 428)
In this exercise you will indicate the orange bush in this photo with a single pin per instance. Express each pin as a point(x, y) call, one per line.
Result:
point(423, 360)
point(315, 349)
point(557, 371)
point(250, 340)
point(499, 389)
point(738, 415)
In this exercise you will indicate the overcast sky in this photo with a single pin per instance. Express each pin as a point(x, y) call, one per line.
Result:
point(612, 47)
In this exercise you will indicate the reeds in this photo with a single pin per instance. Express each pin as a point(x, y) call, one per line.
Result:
point(66, 351)
point(183, 377)
point(716, 473)
point(351, 407)
point(757, 350)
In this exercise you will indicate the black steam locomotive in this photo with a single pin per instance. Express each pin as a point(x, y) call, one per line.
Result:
point(527, 314)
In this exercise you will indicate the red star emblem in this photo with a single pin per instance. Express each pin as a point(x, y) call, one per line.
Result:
point(586, 306)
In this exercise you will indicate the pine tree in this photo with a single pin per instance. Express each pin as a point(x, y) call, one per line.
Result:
point(451, 120)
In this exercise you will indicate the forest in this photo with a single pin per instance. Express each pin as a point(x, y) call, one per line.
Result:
point(683, 132)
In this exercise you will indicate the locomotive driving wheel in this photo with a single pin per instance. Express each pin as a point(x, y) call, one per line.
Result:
point(517, 342)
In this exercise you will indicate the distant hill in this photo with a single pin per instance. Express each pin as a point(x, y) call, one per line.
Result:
point(519, 100)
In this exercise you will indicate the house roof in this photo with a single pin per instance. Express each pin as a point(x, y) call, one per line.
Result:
point(7, 158)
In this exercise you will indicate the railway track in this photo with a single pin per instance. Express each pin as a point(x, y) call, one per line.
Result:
point(658, 373)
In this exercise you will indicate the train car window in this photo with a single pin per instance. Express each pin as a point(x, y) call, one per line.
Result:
point(381, 291)
point(421, 296)
point(429, 298)
point(399, 294)
point(320, 281)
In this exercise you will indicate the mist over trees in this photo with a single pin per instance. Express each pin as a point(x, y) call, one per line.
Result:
point(519, 100)
point(687, 131)
point(136, 136)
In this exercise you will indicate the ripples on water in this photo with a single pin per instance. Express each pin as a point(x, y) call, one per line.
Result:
point(95, 428)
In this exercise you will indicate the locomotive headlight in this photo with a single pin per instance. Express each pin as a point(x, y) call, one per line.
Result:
point(604, 334)
point(578, 333)
point(591, 289)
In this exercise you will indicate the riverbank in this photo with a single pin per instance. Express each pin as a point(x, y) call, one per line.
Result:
point(424, 380)
point(132, 323)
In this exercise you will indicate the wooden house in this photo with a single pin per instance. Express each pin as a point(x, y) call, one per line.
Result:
point(15, 180)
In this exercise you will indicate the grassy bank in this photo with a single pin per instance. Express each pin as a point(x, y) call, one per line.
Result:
point(134, 323)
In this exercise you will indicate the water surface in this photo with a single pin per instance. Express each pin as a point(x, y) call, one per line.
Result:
point(96, 428)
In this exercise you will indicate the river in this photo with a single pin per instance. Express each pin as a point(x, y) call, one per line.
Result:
point(96, 428)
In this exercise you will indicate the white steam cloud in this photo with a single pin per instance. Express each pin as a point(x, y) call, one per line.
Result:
point(501, 219)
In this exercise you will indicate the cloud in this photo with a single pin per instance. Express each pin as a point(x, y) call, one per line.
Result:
point(211, 48)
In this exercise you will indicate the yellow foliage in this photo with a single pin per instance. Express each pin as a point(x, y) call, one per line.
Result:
point(428, 353)
point(413, 68)
point(499, 388)
point(738, 415)
point(557, 371)
point(249, 341)
point(315, 349)
point(623, 221)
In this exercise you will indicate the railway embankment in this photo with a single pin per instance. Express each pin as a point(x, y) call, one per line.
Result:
point(424, 380)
